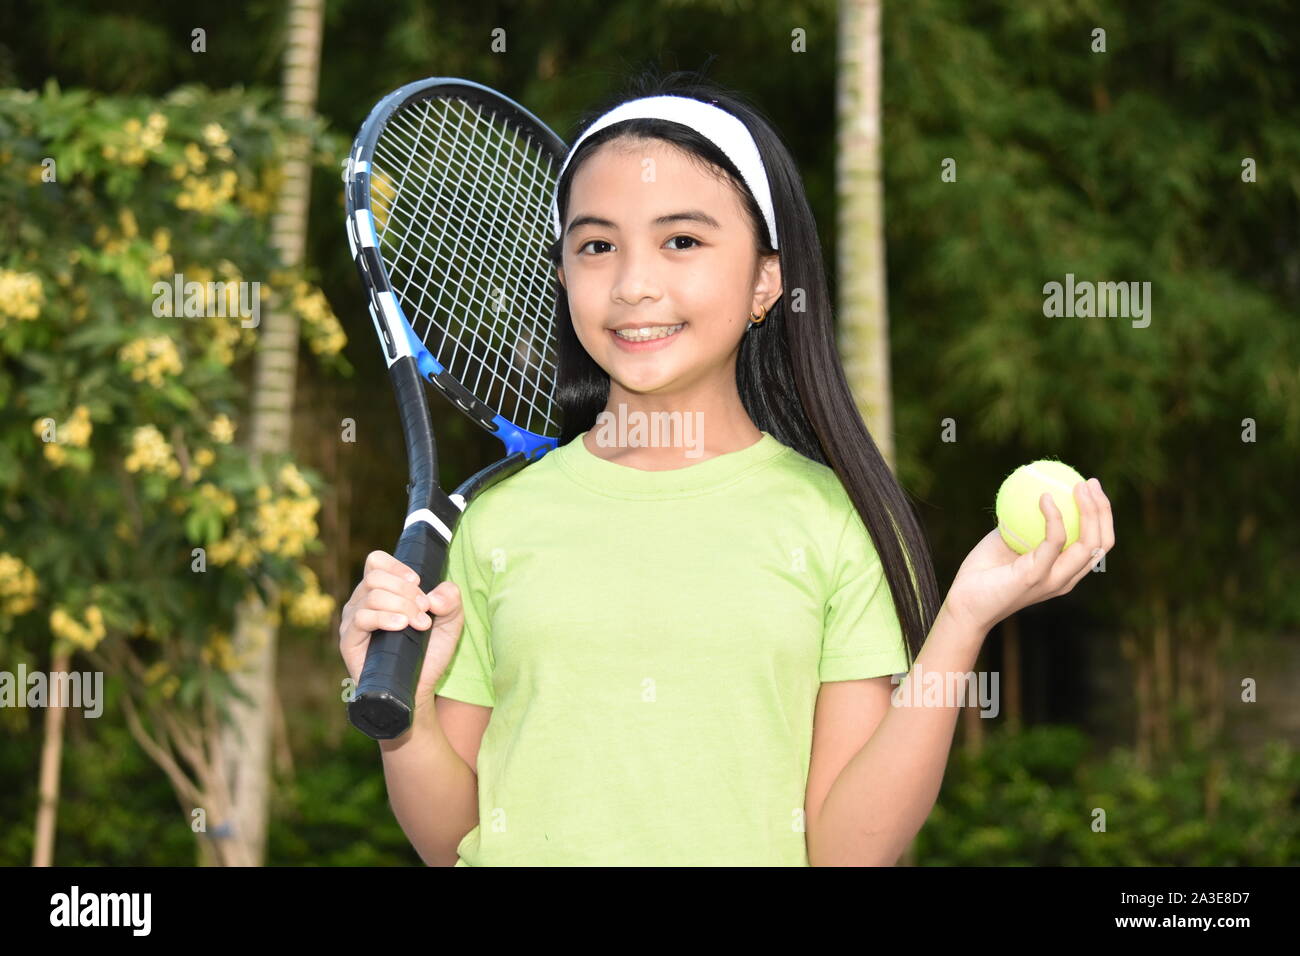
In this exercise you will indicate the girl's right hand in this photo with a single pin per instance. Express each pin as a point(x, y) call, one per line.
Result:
point(386, 599)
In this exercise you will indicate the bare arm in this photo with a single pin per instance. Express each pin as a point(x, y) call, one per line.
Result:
point(430, 770)
point(432, 787)
point(891, 772)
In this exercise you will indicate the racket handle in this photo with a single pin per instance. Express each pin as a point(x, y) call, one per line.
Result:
point(384, 704)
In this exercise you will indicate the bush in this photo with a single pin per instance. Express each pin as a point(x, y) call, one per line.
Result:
point(1028, 799)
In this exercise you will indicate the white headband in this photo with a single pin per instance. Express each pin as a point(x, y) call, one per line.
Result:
point(726, 131)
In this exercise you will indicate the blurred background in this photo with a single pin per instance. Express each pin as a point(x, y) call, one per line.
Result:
point(186, 501)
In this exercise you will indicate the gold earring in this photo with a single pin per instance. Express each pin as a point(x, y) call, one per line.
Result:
point(759, 318)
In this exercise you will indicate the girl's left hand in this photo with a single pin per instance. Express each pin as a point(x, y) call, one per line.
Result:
point(994, 582)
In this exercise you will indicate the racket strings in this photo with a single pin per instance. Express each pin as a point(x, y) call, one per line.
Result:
point(490, 371)
point(461, 207)
point(479, 280)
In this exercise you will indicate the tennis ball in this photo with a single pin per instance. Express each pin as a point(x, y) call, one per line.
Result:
point(1020, 521)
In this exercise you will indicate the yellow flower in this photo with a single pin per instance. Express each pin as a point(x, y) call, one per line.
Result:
point(151, 358)
point(224, 500)
point(309, 607)
point(87, 636)
point(285, 525)
point(76, 431)
point(214, 135)
point(151, 136)
point(292, 479)
point(204, 457)
point(126, 219)
point(21, 295)
point(259, 204)
point(17, 585)
point(238, 548)
point(320, 326)
point(204, 195)
point(196, 158)
point(223, 336)
point(150, 452)
point(330, 341)
point(161, 266)
point(222, 429)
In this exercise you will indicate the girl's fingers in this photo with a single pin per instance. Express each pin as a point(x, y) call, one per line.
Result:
point(1045, 555)
point(371, 619)
point(443, 598)
point(1089, 517)
point(378, 580)
point(397, 604)
point(383, 561)
point(1106, 517)
point(1095, 556)
point(1081, 556)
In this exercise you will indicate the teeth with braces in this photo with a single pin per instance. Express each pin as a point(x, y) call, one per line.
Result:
point(648, 333)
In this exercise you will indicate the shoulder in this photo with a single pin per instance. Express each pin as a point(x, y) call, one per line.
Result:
point(815, 485)
point(526, 489)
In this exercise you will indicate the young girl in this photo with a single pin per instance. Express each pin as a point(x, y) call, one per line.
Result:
point(680, 652)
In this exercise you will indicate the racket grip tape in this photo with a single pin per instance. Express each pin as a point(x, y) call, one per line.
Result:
point(383, 706)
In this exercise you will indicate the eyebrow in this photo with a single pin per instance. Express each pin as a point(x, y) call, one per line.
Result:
point(689, 215)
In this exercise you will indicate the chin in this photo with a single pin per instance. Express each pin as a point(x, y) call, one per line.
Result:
point(643, 380)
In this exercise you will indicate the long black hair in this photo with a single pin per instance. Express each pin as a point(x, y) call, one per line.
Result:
point(789, 373)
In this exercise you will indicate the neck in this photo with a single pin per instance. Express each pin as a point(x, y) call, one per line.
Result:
point(657, 432)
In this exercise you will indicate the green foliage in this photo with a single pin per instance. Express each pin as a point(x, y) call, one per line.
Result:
point(116, 808)
point(335, 811)
point(1126, 166)
point(117, 411)
point(1028, 799)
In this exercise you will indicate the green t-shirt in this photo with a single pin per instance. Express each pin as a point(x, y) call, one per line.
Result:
point(652, 644)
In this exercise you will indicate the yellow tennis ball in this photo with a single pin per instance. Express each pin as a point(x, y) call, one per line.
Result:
point(1020, 521)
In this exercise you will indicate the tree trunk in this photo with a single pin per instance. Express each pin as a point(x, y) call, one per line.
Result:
point(47, 792)
point(863, 316)
point(247, 739)
point(860, 262)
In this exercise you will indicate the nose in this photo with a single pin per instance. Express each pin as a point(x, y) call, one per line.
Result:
point(636, 278)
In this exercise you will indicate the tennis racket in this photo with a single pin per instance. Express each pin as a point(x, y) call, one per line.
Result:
point(448, 191)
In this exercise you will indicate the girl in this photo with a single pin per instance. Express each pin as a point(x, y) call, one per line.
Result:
point(680, 651)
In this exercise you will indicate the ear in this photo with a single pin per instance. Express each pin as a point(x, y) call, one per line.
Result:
point(559, 271)
point(767, 288)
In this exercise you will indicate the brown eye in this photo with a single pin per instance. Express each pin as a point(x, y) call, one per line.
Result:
point(591, 242)
point(688, 239)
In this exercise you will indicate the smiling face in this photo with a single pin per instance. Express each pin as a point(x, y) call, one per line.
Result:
point(672, 262)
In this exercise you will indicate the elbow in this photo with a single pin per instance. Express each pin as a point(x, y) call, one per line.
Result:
point(865, 848)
